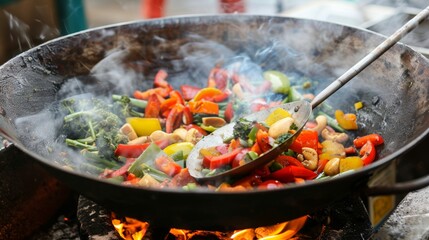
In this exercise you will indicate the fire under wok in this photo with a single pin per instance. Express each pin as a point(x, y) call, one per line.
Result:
point(119, 57)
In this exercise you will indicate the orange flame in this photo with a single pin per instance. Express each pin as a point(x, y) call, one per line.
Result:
point(129, 228)
point(132, 229)
point(281, 231)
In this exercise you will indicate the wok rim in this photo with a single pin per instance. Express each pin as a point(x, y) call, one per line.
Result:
point(367, 170)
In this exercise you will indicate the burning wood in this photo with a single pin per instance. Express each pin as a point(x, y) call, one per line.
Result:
point(132, 229)
point(129, 228)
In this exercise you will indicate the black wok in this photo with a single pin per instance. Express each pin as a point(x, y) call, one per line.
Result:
point(394, 90)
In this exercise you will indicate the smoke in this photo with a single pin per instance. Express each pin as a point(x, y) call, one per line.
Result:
point(296, 48)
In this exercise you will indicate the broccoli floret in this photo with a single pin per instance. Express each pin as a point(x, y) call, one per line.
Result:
point(91, 124)
point(242, 128)
point(124, 106)
point(107, 141)
point(284, 137)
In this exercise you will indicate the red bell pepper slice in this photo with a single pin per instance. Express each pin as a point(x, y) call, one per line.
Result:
point(300, 172)
point(167, 105)
point(367, 153)
point(131, 179)
point(167, 165)
point(153, 106)
point(307, 138)
point(229, 112)
point(375, 138)
point(285, 160)
point(174, 118)
point(160, 81)
point(213, 162)
point(283, 175)
point(134, 151)
point(321, 165)
point(178, 96)
point(181, 179)
point(218, 78)
point(189, 92)
point(350, 150)
point(188, 118)
point(221, 97)
point(122, 170)
point(289, 173)
point(255, 148)
point(263, 141)
point(239, 158)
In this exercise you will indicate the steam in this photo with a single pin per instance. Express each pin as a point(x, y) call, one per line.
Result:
point(302, 55)
point(20, 32)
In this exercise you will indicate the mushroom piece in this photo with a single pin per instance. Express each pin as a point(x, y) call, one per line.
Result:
point(216, 122)
point(334, 136)
point(310, 158)
point(322, 122)
point(332, 167)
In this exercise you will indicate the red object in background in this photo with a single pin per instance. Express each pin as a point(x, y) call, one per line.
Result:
point(232, 6)
point(152, 8)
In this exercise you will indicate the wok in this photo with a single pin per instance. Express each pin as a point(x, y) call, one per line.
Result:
point(394, 90)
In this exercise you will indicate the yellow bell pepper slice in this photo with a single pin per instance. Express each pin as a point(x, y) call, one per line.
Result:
point(350, 163)
point(346, 121)
point(276, 115)
point(144, 126)
point(185, 147)
point(358, 105)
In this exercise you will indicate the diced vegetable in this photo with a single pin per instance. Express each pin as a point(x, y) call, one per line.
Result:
point(350, 163)
point(346, 121)
point(358, 105)
point(331, 150)
point(147, 158)
point(279, 81)
point(367, 153)
point(375, 139)
point(189, 92)
point(276, 115)
point(307, 138)
point(144, 126)
point(210, 94)
point(167, 165)
point(289, 173)
point(203, 106)
point(213, 162)
point(185, 147)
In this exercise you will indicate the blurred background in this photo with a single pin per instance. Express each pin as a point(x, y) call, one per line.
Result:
point(28, 23)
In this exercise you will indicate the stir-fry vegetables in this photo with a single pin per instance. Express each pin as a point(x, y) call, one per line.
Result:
point(145, 139)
